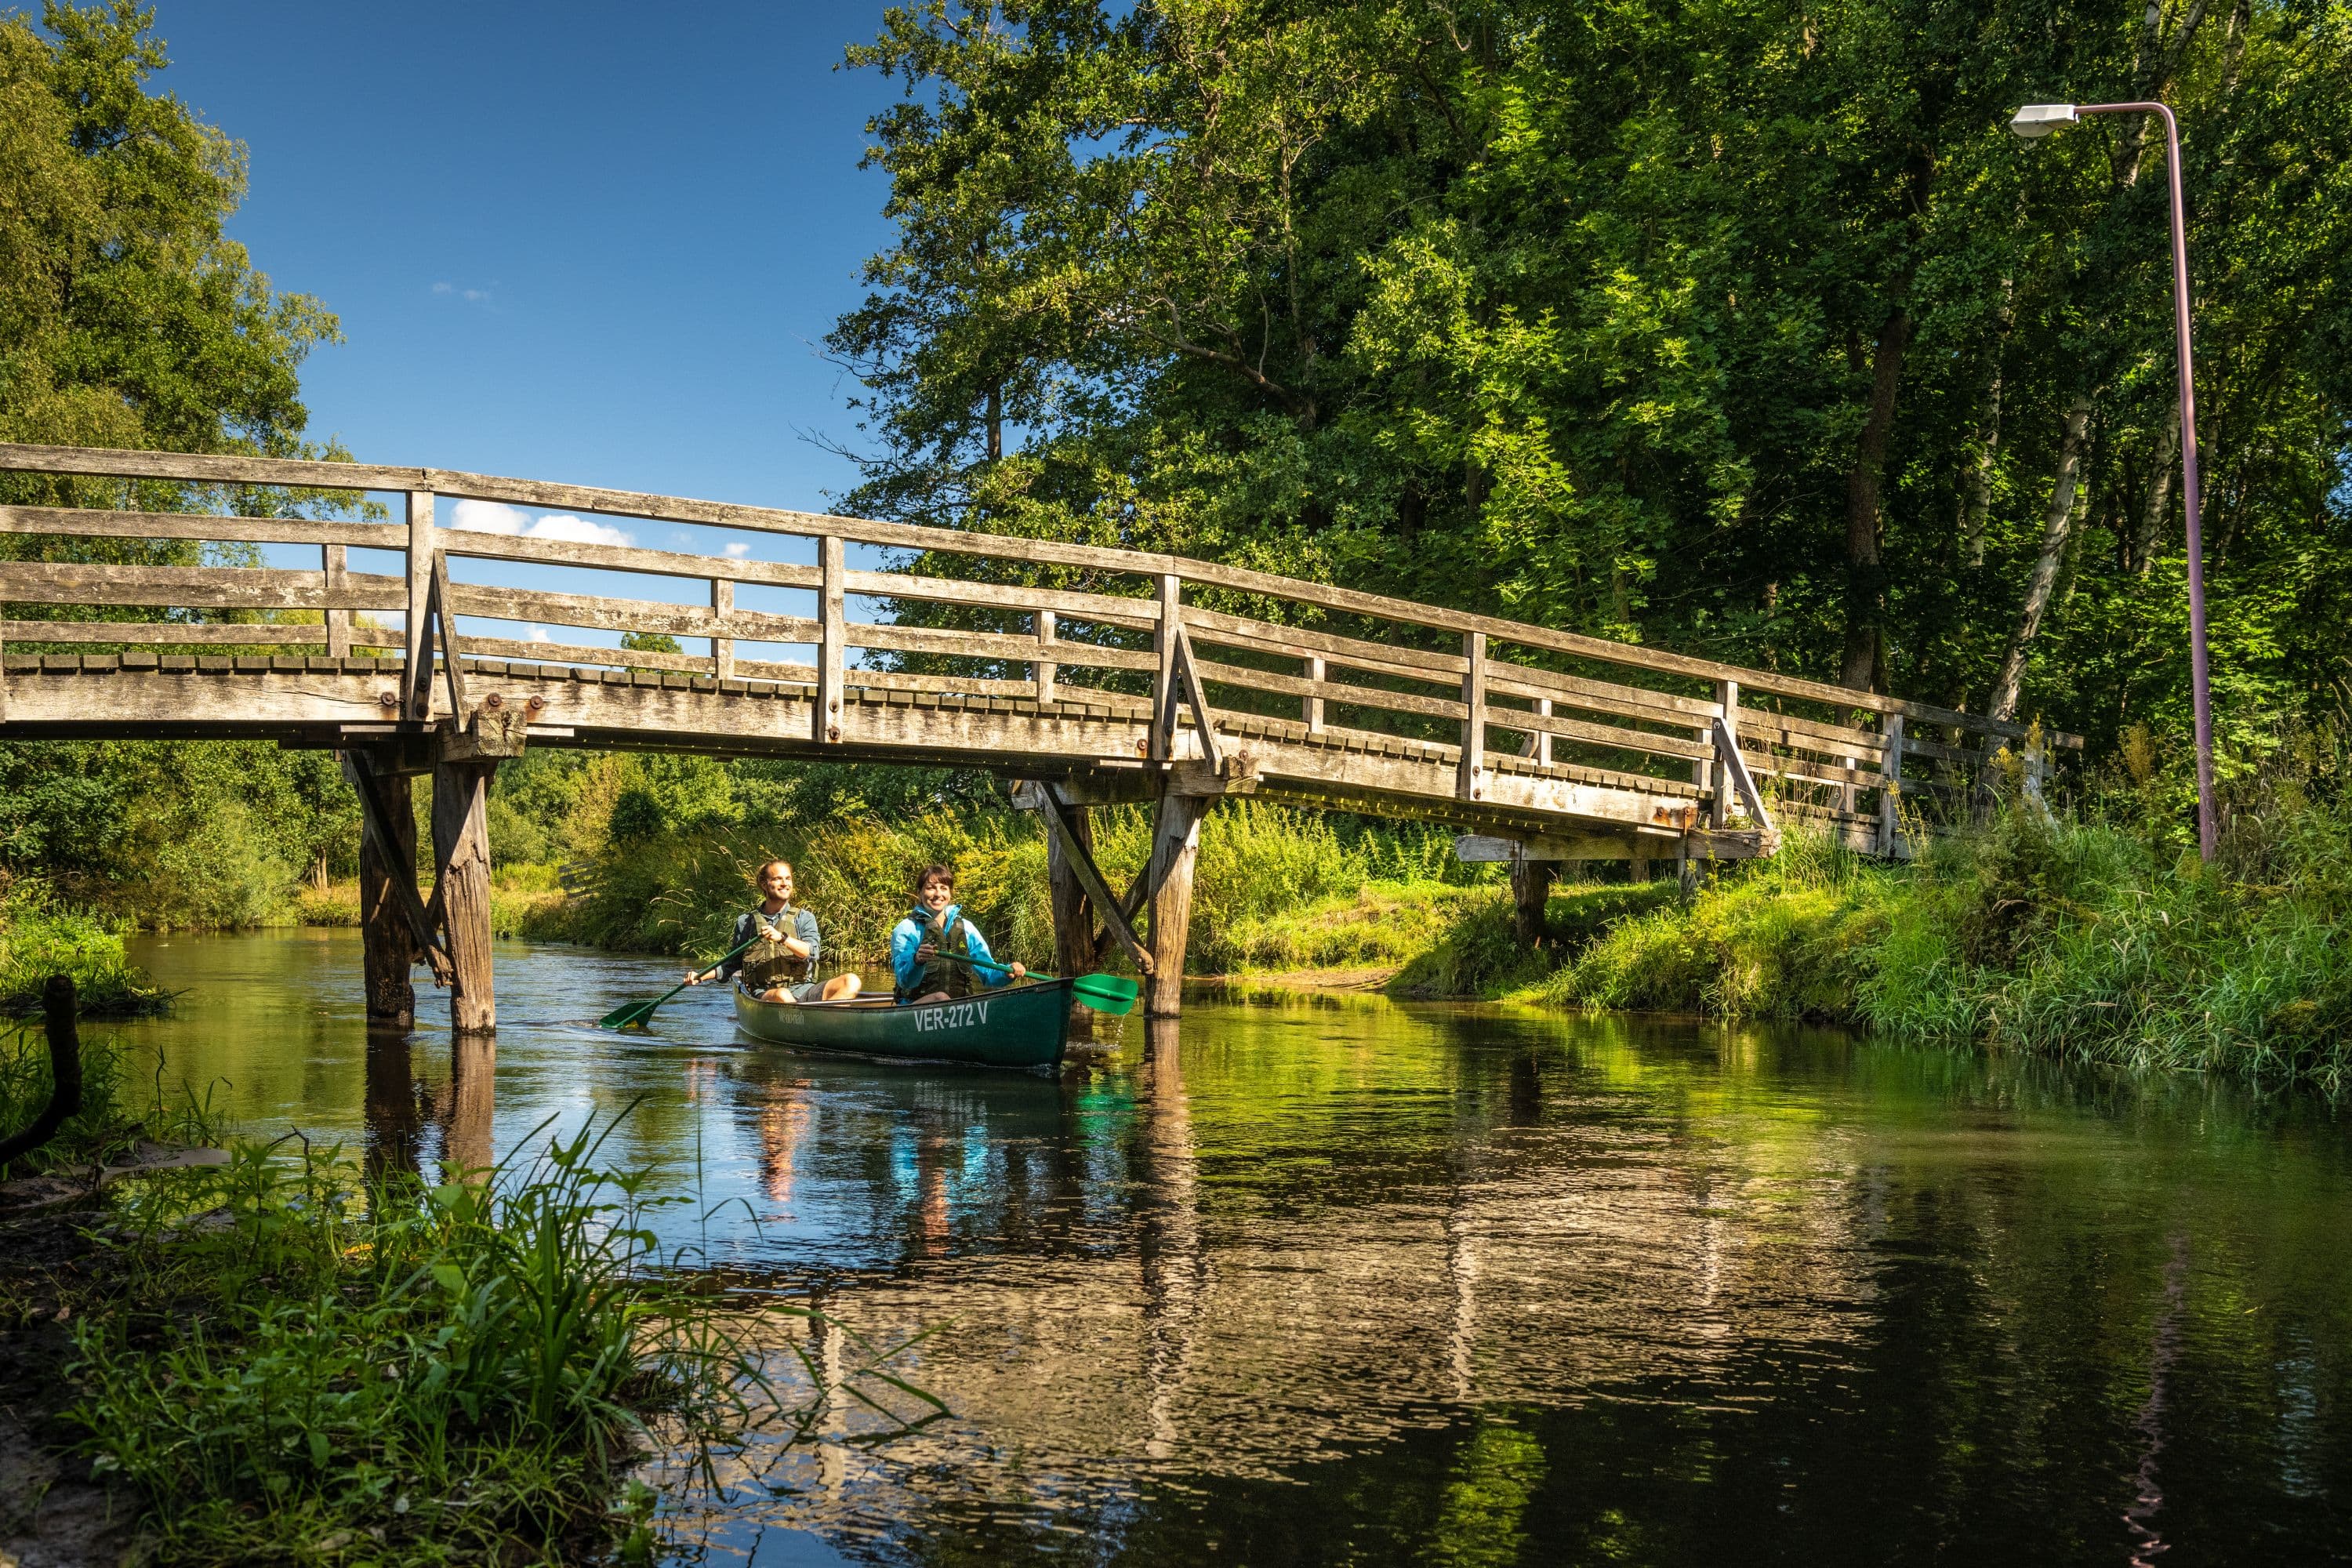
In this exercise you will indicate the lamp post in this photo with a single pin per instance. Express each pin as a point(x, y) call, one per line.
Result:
point(2038, 120)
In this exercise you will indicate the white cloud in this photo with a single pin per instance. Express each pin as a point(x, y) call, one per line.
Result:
point(579, 530)
point(538, 633)
point(495, 517)
point(471, 296)
point(738, 549)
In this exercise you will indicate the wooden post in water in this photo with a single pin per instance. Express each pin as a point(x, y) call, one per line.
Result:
point(461, 847)
point(1175, 844)
point(388, 948)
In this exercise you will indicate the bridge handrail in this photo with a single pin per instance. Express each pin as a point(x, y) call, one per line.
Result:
point(217, 470)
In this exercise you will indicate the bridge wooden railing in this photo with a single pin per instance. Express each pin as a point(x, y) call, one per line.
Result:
point(1252, 646)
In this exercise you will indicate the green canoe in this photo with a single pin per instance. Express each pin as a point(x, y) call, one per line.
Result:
point(1007, 1026)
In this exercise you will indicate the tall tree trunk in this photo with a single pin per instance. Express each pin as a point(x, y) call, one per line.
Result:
point(1865, 604)
point(2159, 494)
point(2057, 526)
point(996, 421)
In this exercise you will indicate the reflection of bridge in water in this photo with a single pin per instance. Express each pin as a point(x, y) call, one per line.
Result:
point(1092, 675)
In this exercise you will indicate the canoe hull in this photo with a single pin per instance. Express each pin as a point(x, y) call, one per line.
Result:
point(1023, 1025)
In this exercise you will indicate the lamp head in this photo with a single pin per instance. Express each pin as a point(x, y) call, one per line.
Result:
point(2038, 120)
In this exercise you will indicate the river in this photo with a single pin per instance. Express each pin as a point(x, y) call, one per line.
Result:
point(1334, 1280)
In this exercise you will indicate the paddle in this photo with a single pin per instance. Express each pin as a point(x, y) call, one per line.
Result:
point(1109, 994)
point(634, 1014)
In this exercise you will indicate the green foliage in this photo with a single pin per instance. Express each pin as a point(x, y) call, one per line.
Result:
point(2066, 937)
point(445, 1373)
point(181, 834)
point(128, 317)
point(1478, 953)
point(39, 938)
point(1509, 308)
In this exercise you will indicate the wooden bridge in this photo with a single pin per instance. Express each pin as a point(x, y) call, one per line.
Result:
point(1089, 676)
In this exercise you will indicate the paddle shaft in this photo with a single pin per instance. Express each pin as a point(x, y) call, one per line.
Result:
point(992, 964)
point(648, 1011)
point(1103, 993)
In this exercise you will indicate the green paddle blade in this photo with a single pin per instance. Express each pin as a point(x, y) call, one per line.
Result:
point(628, 1017)
point(1109, 994)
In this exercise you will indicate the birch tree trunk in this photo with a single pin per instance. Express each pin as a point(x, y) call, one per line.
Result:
point(2057, 527)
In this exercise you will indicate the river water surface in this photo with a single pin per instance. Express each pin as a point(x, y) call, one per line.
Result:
point(1341, 1281)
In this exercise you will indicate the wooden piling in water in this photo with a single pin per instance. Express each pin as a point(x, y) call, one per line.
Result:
point(461, 847)
point(388, 949)
point(1175, 844)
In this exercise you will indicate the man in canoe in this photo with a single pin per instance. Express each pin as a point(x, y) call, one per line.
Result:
point(926, 947)
point(784, 947)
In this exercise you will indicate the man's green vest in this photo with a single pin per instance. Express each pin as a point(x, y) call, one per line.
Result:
point(767, 964)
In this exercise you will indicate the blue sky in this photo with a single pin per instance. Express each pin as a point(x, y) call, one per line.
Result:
point(594, 242)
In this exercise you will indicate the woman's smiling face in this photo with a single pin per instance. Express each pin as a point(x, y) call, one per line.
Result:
point(938, 894)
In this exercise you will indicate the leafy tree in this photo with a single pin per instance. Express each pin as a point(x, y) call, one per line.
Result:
point(1748, 329)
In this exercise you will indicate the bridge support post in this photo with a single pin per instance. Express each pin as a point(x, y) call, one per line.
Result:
point(1175, 844)
point(461, 847)
point(1531, 897)
point(388, 951)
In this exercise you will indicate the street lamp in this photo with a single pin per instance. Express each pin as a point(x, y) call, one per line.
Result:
point(2032, 122)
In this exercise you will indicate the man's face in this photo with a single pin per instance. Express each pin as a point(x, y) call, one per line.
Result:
point(776, 882)
point(938, 894)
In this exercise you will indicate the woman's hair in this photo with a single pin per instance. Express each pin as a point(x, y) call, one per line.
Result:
point(761, 874)
point(938, 869)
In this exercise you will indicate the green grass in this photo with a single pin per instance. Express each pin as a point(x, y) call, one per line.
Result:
point(117, 1112)
point(39, 938)
point(2079, 940)
point(293, 1367)
point(525, 902)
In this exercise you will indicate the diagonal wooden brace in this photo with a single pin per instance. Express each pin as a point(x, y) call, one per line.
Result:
point(1183, 685)
point(422, 925)
point(447, 623)
point(1726, 751)
point(1116, 916)
point(1199, 697)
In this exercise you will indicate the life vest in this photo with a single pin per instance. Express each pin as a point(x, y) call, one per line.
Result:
point(944, 932)
point(767, 964)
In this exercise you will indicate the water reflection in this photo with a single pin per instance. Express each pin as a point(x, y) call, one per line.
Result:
point(1362, 1283)
point(395, 1122)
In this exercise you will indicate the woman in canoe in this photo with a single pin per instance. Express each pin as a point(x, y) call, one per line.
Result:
point(784, 947)
point(926, 946)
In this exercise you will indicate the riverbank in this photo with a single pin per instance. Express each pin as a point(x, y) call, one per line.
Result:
point(40, 937)
point(268, 1356)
